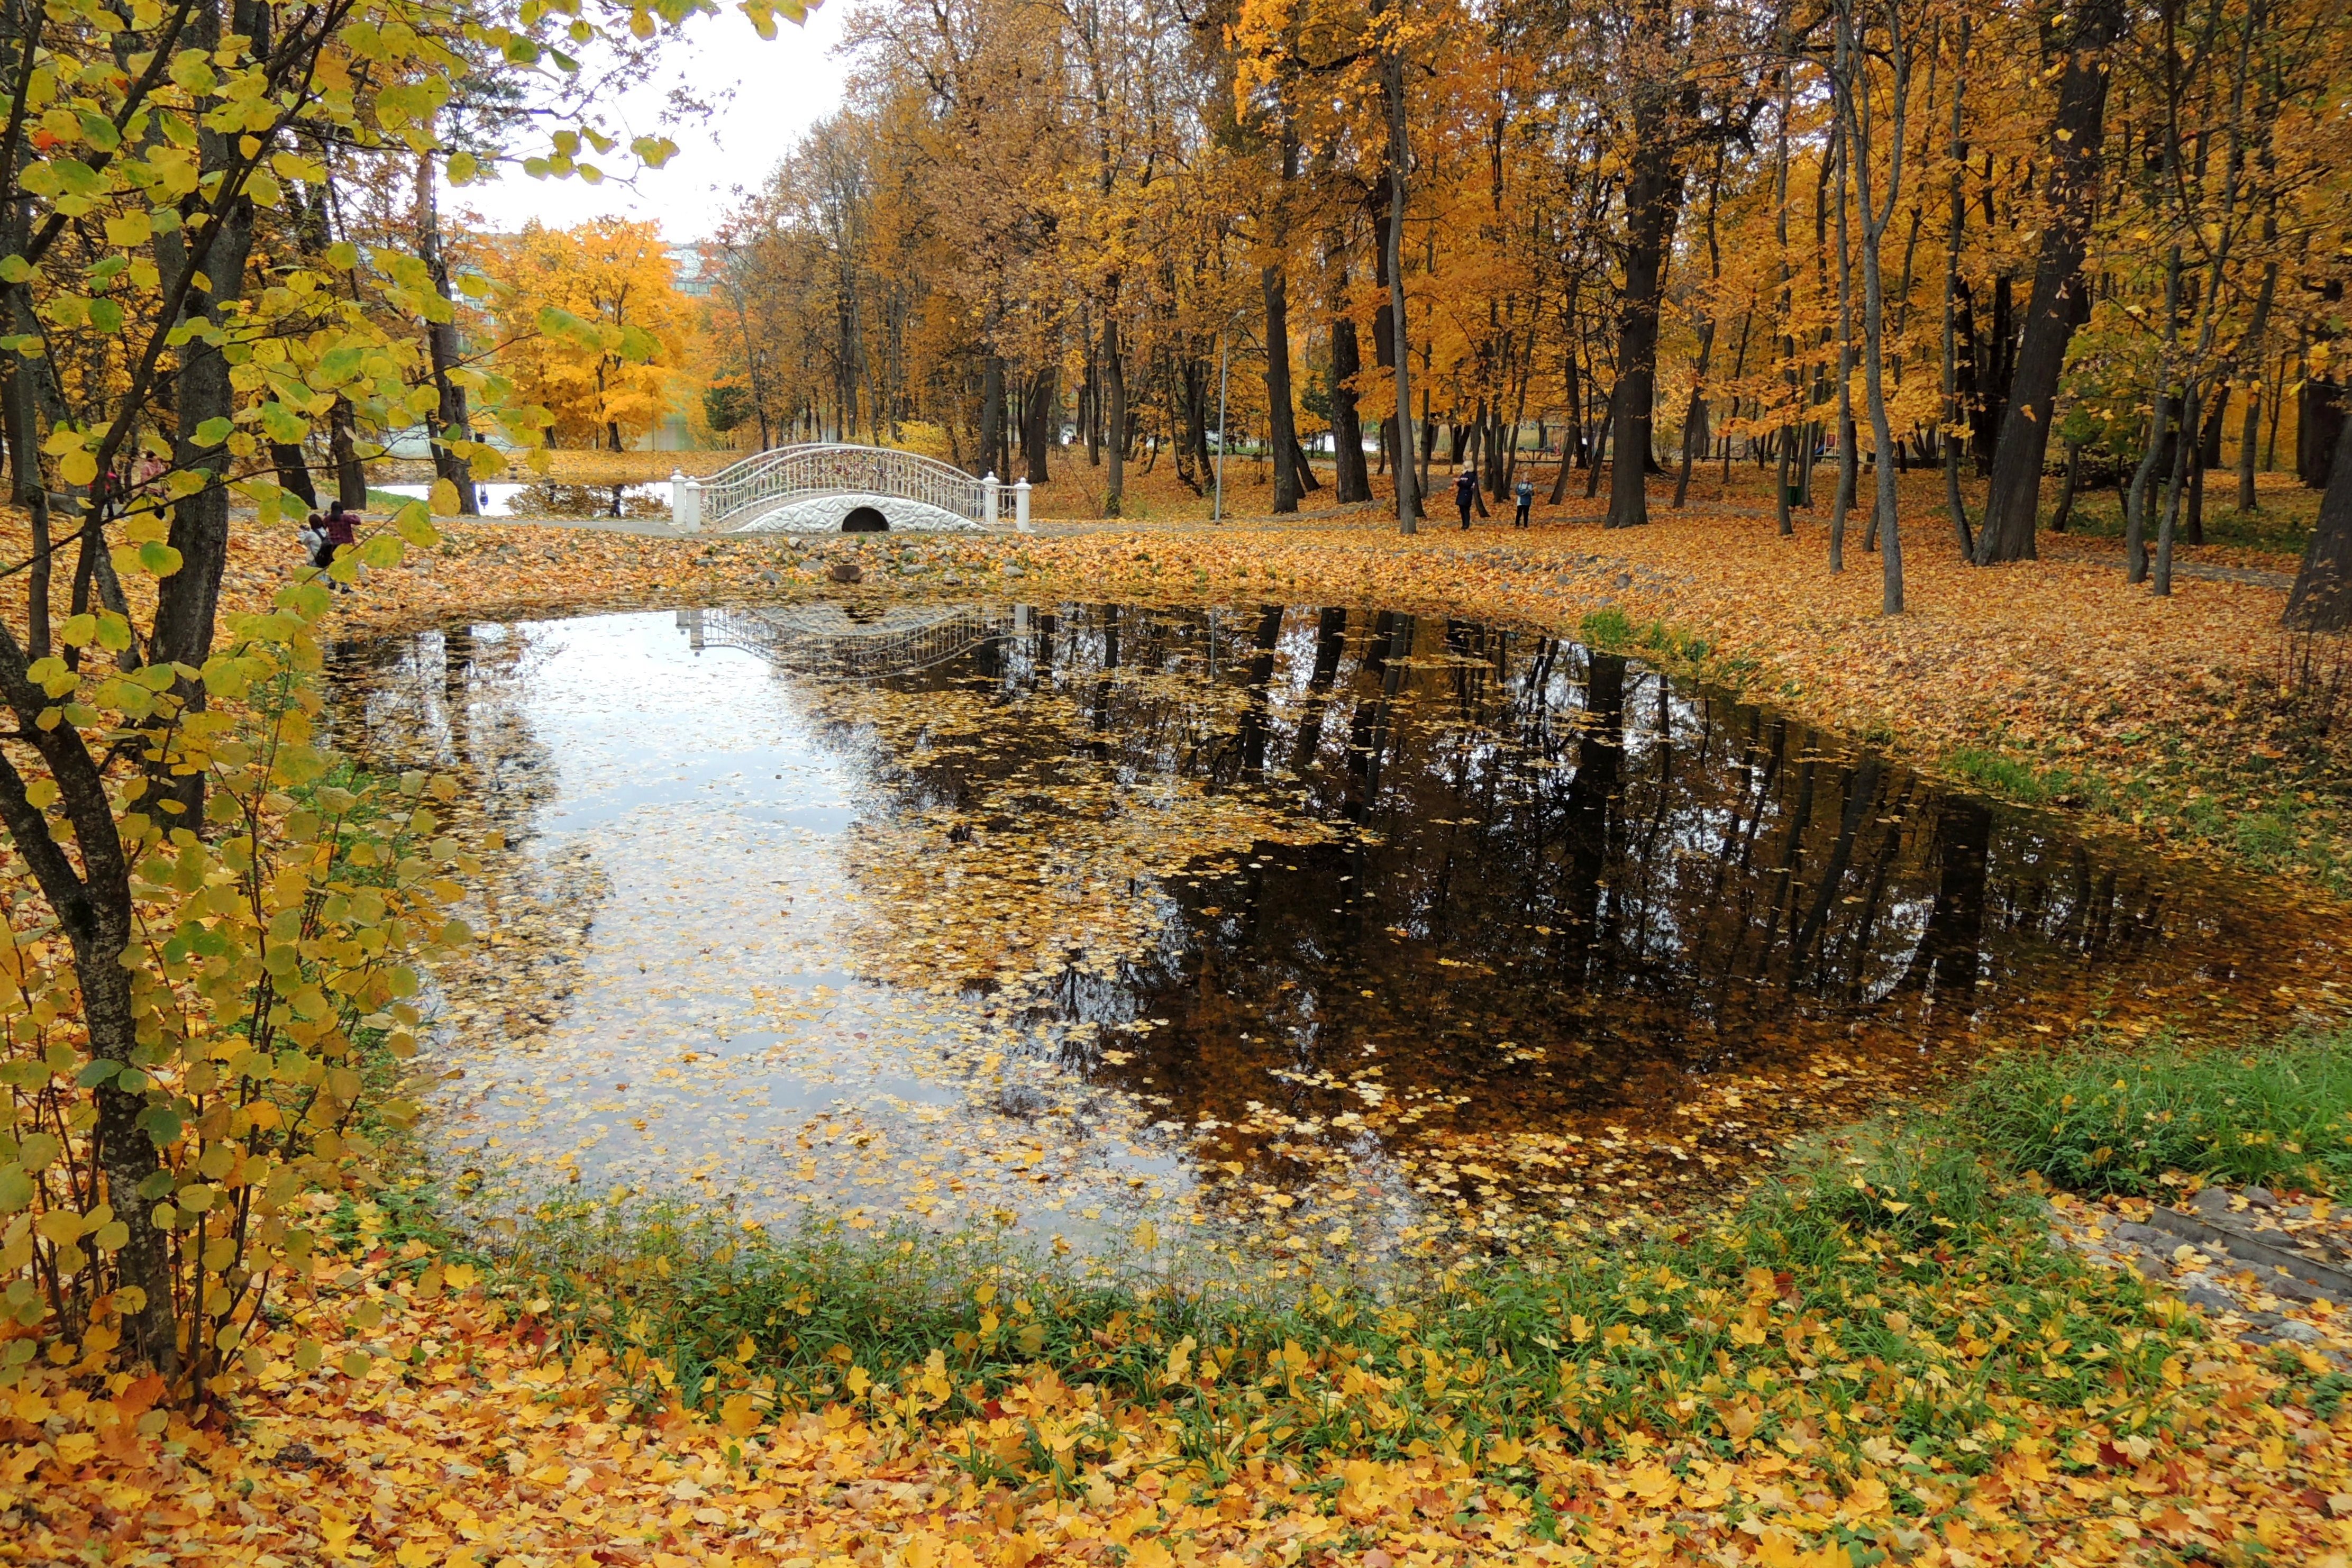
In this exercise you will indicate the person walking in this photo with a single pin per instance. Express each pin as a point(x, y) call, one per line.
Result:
point(1465, 495)
point(1524, 492)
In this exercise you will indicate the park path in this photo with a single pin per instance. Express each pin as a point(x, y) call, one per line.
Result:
point(2052, 547)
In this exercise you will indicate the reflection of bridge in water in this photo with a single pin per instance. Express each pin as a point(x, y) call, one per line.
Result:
point(842, 642)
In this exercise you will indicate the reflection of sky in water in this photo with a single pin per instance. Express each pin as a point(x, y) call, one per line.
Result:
point(709, 981)
point(1329, 924)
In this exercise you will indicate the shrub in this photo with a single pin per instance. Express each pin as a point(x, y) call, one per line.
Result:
point(149, 1193)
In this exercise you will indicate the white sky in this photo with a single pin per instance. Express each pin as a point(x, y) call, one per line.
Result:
point(766, 94)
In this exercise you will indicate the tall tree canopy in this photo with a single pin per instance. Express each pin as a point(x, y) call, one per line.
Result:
point(1660, 230)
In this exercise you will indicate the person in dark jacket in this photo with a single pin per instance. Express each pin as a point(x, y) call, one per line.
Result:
point(1465, 495)
point(341, 529)
point(1524, 492)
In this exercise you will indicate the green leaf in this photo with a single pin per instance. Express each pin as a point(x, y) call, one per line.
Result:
point(380, 550)
point(281, 423)
point(414, 524)
point(96, 1073)
point(162, 1124)
point(15, 1189)
point(214, 431)
point(159, 560)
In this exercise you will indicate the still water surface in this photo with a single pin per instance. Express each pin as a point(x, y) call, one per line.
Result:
point(1329, 930)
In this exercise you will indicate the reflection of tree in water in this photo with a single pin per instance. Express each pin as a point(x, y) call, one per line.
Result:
point(1552, 886)
point(450, 702)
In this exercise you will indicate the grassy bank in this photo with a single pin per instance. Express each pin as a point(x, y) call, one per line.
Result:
point(2109, 1119)
point(2269, 799)
point(1875, 1358)
point(1890, 1286)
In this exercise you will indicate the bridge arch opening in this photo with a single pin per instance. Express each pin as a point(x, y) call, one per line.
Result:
point(865, 519)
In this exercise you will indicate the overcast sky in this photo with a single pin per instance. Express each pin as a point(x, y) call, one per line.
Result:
point(768, 93)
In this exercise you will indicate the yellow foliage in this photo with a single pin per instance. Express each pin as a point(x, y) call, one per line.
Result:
point(593, 328)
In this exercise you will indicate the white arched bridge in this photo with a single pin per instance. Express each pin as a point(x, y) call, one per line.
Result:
point(828, 488)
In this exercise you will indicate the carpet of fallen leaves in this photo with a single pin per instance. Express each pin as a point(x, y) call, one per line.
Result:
point(448, 1430)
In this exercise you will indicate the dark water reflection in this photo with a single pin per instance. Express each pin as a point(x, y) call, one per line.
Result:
point(1565, 884)
point(1536, 927)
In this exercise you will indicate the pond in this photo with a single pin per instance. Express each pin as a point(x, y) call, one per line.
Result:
point(1302, 930)
point(545, 497)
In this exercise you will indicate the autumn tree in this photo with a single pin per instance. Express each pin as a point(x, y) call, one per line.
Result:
point(208, 935)
point(596, 330)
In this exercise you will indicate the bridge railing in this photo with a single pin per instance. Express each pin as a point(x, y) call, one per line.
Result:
point(814, 469)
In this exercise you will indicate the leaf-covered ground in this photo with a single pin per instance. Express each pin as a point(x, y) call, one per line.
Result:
point(449, 1429)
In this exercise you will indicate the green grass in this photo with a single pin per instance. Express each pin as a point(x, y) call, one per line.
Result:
point(1893, 1282)
point(1676, 1333)
point(1610, 630)
point(2281, 524)
point(2008, 776)
point(1998, 774)
point(2106, 1118)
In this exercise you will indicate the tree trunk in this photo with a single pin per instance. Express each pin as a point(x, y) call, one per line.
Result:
point(1572, 435)
point(2322, 597)
point(2319, 420)
point(1954, 507)
point(991, 411)
point(1842, 502)
point(1384, 318)
point(1653, 193)
point(1875, 217)
point(294, 472)
point(1349, 477)
point(2065, 509)
point(2076, 133)
point(1282, 434)
point(187, 601)
point(342, 442)
point(1042, 414)
point(1407, 497)
point(2159, 430)
point(1115, 436)
point(2184, 464)
point(442, 351)
point(93, 907)
point(1600, 446)
point(2250, 359)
